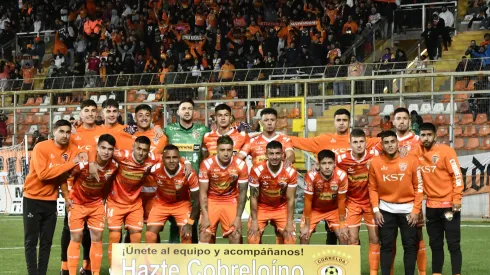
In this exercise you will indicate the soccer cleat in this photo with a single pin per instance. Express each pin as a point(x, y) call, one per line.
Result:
point(84, 272)
point(64, 272)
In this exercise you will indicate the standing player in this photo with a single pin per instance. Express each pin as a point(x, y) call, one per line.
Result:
point(188, 137)
point(241, 140)
point(110, 113)
point(443, 186)
point(396, 193)
point(325, 194)
point(87, 205)
point(356, 163)
point(172, 198)
point(223, 184)
point(272, 191)
point(258, 144)
point(124, 202)
point(50, 162)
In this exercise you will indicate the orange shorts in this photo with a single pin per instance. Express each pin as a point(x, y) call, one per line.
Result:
point(130, 215)
point(93, 215)
point(147, 199)
point(355, 213)
point(160, 213)
point(278, 218)
point(330, 217)
point(223, 213)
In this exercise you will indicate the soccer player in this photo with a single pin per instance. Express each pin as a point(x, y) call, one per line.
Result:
point(355, 162)
point(443, 186)
point(258, 143)
point(188, 137)
point(396, 193)
point(325, 194)
point(50, 162)
point(172, 196)
point(87, 204)
point(110, 113)
point(241, 140)
point(124, 202)
point(272, 190)
point(223, 185)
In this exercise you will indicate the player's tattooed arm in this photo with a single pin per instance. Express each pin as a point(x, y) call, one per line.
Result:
point(254, 197)
point(195, 205)
point(203, 200)
point(242, 188)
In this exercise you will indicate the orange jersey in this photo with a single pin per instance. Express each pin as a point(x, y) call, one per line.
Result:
point(357, 173)
point(325, 191)
point(128, 183)
point(223, 181)
point(410, 140)
point(241, 142)
point(259, 143)
point(48, 163)
point(396, 181)
point(86, 189)
point(173, 188)
point(272, 186)
point(337, 143)
point(156, 146)
point(86, 139)
point(443, 182)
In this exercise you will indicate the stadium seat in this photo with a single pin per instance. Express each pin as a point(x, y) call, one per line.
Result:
point(310, 112)
point(150, 98)
point(413, 107)
point(294, 113)
point(240, 105)
point(61, 109)
point(32, 129)
point(458, 143)
point(94, 98)
point(427, 118)
point(375, 131)
point(485, 144)
point(461, 97)
point(239, 114)
point(375, 121)
point(362, 121)
point(29, 102)
point(131, 97)
point(21, 129)
point(374, 110)
point(66, 117)
point(460, 85)
point(283, 113)
point(38, 119)
point(447, 111)
point(56, 118)
point(440, 120)
point(282, 123)
point(140, 97)
point(458, 131)
point(437, 109)
point(387, 110)
point(366, 131)
point(231, 104)
point(484, 131)
point(481, 119)
point(473, 143)
point(29, 119)
point(464, 107)
point(38, 102)
point(442, 132)
point(8, 141)
point(43, 130)
point(444, 140)
point(467, 119)
point(456, 119)
point(113, 96)
point(469, 131)
point(446, 98)
point(260, 105)
point(425, 109)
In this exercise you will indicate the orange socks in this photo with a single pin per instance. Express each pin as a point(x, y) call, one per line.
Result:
point(73, 257)
point(150, 237)
point(135, 237)
point(86, 265)
point(421, 258)
point(96, 255)
point(114, 237)
point(279, 240)
point(64, 265)
point(373, 258)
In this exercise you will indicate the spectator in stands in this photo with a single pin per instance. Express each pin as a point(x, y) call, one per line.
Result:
point(350, 27)
point(486, 41)
point(59, 59)
point(431, 36)
point(227, 71)
point(386, 124)
point(448, 18)
point(28, 72)
point(3, 127)
point(338, 86)
point(387, 56)
point(440, 25)
point(416, 121)
point(484, 54)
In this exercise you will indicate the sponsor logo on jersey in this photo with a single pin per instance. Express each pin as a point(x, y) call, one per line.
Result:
point(185, 147)
point(403, 166)
point(197, 147)
point(78, 138)
point(384, 168)
point(132, 175)
point(51, 156)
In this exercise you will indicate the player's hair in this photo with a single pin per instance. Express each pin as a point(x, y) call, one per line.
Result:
point(356, 132)
point(224, 140)
point(110, 103)
point(143, 140)
point(426, 126)
point(187, 100)
point(222, 107)
point(326, 154)
point(388, 133)
point(171, 147)
point(268, 111)
point(107, 138)
point(88, 103)
point(144, 107)
point(340, 112)
point(401, 110)
point(274, 145)
point(61, 122)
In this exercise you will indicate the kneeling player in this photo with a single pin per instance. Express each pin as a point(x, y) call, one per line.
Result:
point(172, 196)
point(87, 197)
point(272, 190)
point(325, 198)
point(223, 193)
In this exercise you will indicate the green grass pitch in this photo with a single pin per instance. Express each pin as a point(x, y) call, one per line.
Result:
point(475, 242)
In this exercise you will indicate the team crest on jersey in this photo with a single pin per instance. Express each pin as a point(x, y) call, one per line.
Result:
point(403, 166)
point(283, 184)
point(195, 134)
point(334, 187)
point(159, 182)
point(435, 159)
point(65, 156)
point(350, 170)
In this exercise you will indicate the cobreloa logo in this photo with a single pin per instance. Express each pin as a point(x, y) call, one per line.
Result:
point(332, 262)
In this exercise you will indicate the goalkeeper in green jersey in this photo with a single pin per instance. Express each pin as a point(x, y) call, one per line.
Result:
point(187, 136)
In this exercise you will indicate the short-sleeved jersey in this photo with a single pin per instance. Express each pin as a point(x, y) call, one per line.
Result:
point(156, 146)
point(86, 139)
point(86, 189)
point(325, 191)
point(128, 183)
point(223, 181)
point(189, 141)
point(241, 142)
point(410, 141)
point(339, 144)
point(357, 173)
point(173, 188)
point(258, 146)
point(272, 186)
